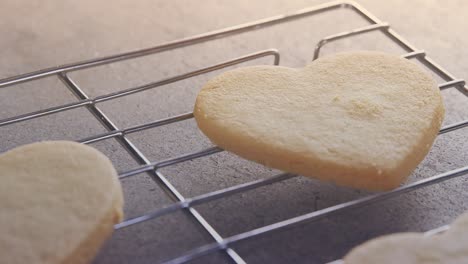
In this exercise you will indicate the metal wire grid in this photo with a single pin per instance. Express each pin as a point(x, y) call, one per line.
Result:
point(182, 203)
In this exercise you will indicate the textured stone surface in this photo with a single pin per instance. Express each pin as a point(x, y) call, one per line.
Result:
point(48, 33)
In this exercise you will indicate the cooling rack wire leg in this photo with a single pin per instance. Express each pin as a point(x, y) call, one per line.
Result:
point(359, 31)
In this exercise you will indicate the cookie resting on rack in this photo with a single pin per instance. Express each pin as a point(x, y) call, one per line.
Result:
point(358, 119)
point(59, 202)
point(450, 247)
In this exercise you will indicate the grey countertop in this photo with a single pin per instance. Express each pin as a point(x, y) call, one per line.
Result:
point(39, 34)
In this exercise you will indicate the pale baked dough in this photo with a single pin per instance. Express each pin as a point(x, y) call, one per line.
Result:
point(359, 119)
point(450, 247)
point(59, 202)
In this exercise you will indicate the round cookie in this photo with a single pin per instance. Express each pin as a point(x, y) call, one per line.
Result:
point(59, 202)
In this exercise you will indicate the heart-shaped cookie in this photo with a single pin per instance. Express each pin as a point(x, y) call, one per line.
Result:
point(59, 202)
point(359, 119)
point(450, 247)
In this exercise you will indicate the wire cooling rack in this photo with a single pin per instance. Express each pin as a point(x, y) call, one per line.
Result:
point(224, 244)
